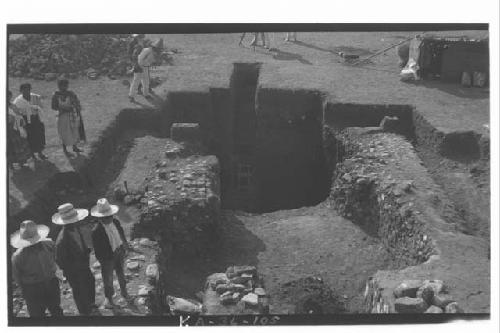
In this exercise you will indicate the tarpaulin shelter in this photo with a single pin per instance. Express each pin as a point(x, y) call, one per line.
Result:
point(447, 58)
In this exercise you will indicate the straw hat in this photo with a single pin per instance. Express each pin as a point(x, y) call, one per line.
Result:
point(103, 208)
point(28, 234)
point(67, 214)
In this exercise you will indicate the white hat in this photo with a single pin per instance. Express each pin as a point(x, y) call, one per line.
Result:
point(103, 208)
point(67, 214)
point(28, 234)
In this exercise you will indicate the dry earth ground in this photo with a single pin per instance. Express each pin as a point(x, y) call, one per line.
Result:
point(205, 61)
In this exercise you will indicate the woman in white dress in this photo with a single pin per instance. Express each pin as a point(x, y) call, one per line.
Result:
point(69, 121)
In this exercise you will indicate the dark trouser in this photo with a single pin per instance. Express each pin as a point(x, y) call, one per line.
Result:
point(36, 133)
point(107, 268)
point(41, 296)
point(82, 283)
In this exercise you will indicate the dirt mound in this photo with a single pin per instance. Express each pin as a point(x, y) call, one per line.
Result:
point(37, 55)
point(47, 56)
point(312, 296)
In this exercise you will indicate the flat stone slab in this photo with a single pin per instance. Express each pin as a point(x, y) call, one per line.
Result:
point(410, 305)
point(185, 132)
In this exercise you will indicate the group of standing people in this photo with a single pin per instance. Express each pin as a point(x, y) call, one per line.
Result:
point(26, 130)
point(35, 261)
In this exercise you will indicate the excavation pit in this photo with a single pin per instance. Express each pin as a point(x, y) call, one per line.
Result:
point(275, 180)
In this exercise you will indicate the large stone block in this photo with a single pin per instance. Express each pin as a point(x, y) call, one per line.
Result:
point(408, 288)
point(185, 132)
point(410, 305)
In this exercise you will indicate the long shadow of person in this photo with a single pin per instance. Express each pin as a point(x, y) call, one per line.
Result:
point(156, 100)
point(29, 183)
point(283, 55)
point(335, 50)
point(314, 47)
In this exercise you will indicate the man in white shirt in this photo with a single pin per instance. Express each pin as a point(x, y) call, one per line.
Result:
point(145, 59)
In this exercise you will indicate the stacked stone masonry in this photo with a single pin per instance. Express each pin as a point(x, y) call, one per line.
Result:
point(181, 206)
point(368, 190)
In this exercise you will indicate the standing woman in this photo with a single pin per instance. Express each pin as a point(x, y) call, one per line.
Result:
point(30, 105)
point(69, 123)
point(18, 150)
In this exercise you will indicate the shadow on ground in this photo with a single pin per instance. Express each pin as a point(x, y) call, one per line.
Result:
point(346, 49)
point(283, 55)
point(235, 245)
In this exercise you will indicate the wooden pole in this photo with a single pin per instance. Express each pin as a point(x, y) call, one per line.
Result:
point(384, 50)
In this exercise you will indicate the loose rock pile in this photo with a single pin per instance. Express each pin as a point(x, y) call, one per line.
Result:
point(411, 296)
point(45, 56)
point(237, 291)
point(48, 56)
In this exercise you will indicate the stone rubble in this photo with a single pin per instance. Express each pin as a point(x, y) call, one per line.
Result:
point(180, 306)
point(434, 309)
point(410, 296)
point(51, 56)
point(221, 296)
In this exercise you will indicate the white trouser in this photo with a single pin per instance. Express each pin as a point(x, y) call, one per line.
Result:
point(266, 39)
point(144, 79)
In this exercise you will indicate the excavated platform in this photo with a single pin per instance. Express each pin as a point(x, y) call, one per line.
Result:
point(382, 185)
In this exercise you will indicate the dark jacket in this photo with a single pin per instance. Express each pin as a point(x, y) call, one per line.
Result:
point(100, 240)
point(34, 263)
point(72, 251)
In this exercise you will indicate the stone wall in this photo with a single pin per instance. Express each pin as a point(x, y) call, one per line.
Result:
point(370, 190)
point(181, 206)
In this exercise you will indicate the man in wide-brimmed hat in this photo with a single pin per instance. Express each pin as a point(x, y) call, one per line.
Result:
point(73, 256)
point(34, 269)
point(110, 246)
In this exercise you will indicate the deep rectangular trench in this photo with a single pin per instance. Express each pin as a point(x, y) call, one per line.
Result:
point(268, 142)
point(279, 136)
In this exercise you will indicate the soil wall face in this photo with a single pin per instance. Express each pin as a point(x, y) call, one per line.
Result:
point(190, 107)
point(342, 115)
point(462, 146)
